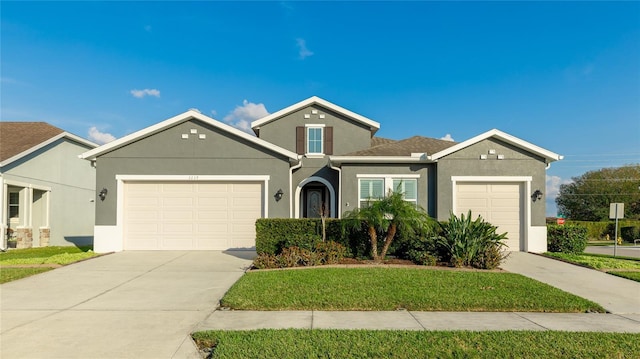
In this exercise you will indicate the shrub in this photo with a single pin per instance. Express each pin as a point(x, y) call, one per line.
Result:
point(630, 233)
point(470, 243)
point(307, 241)
point(422, 257)
point(265, 260)
point(330, 252)
point(566, 238)
point(489, 258)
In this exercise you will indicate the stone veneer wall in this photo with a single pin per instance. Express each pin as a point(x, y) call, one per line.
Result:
point(45, 234)
point(24, 238)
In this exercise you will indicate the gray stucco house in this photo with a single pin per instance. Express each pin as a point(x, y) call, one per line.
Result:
point(47, 193)
point(191, 182)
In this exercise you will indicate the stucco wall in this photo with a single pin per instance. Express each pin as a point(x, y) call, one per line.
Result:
point(348, 135)
point(72, 182)
point(166, 153)
point(426, 196)
point(467, 162)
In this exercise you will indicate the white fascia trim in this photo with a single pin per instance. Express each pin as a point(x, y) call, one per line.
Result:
point(183, 117)
point(26, 185)
point(200, 178)
point(376, 159)
point(316, 100)
point(550, 156)
point(364, 175)
point(491, 178)
point(48, 142)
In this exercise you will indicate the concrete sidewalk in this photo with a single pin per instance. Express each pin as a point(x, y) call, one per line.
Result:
point(617, 295)
point(406, 320)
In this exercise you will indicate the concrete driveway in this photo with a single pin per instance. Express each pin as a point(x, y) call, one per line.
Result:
point(140, 304)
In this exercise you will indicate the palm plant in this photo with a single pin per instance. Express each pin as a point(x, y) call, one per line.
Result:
point(388, 215)
point(465, 242)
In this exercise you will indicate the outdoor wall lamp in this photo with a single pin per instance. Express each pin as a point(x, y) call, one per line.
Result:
point(278, 195)
point(537, 195)
point(103, 194)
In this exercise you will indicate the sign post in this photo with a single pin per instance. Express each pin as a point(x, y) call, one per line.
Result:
point(616, 211)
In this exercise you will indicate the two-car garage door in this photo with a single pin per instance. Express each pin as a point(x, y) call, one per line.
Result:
point(499, 203)
point(191, 215)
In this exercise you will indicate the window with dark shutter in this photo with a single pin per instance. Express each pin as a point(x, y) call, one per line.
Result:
point(328, 140)
point(300, 140)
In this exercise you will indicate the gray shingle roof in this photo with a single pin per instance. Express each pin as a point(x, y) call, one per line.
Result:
point(17, 137)
point(415, 144)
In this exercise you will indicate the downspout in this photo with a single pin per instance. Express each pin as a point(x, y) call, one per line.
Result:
point(291, 200)
point(339, 204)
point(3, 214)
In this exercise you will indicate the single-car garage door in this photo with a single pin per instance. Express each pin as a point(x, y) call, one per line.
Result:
point(498, 203)
point(191, 215)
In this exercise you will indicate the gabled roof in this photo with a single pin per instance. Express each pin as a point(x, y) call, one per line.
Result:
point(505, 137)
point(377, 141)
point(373, 125)
point(183, 117)
point(18, 139)
point(415, 144)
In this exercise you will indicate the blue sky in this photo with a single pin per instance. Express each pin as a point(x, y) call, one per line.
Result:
point(562, 75)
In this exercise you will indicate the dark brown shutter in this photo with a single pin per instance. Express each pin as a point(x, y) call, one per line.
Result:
point(328, 140)
point(300, 140)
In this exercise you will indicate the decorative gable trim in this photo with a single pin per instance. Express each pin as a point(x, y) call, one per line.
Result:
point(183, 117)
point(67, 135)
point(373, 125)
point(548, 155)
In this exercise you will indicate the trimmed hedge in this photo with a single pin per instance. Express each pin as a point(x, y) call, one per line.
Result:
point(274, 234)
point(630, 233)
point(599, 230)
point(566, 238)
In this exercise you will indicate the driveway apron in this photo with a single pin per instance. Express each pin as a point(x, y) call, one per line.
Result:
point(617, 295)
point(140, 304)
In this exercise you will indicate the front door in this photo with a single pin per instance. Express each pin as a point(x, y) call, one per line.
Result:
point(314, 202)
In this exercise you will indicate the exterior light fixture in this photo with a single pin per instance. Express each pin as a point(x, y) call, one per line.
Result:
point(278, 195)
point(537, 195)
point(103, 194)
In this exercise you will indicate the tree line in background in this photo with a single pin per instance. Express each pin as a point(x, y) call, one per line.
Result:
point(588, 197)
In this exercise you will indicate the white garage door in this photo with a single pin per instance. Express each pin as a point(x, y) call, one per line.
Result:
point(498, 203)
point(191, 215)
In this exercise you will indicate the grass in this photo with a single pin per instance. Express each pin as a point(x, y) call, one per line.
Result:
point(45, 258)
point(300, 343)
point(394, 288)
point(628, 275)
point(11, 274)
point(625, 267)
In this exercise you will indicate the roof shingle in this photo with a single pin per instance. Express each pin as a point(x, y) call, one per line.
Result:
point(17, 137)
point(415, 144)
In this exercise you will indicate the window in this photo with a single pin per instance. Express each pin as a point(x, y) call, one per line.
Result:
point(314, 140)
point(409, 187)
point(14, 204)
point(376, 188)
point(370, 189)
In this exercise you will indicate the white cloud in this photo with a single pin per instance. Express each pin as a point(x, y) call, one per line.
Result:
point(100, 137)
point(242, 116)
point(303, 51)
point(553, 186)
point(145, 92)
point(447, 137)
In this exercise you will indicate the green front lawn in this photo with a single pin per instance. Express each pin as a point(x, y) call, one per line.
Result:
point(394, 288)
point(300, 343)
point(10, 274)
point(625, 267)
point(14, 263)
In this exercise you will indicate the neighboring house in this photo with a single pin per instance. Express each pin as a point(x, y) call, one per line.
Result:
point(47, 192)
point(191, 182)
